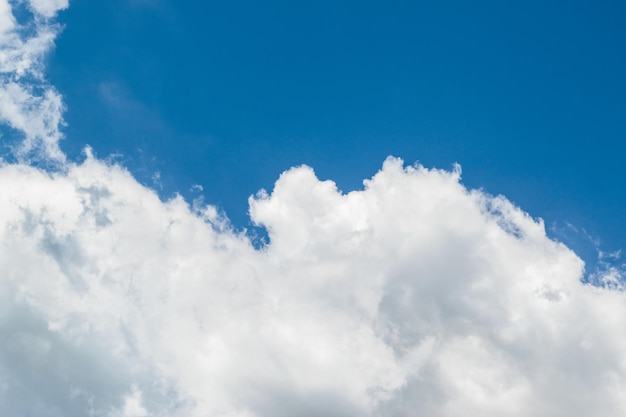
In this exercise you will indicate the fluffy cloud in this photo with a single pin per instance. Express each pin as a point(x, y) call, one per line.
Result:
point(27, 102)
point(413, 296)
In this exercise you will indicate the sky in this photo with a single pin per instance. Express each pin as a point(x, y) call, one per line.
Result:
point(528, 97)
point(253, 209)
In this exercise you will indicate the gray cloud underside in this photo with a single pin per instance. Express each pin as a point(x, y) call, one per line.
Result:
point(414, 296)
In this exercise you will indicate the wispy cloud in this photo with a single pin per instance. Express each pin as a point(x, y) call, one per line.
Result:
point(27, 102)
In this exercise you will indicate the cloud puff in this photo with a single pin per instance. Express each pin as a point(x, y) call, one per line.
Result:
point(27, 102)
point(413, 296)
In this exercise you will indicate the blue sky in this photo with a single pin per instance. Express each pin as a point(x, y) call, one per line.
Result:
point(529, 97)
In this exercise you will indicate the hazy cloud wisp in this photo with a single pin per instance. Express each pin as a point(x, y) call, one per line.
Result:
point(28, 103)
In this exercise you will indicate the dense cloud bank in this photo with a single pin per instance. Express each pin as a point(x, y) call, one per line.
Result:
point(414, 296)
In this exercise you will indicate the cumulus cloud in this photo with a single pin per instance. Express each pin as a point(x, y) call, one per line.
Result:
point(413, 296)
point(27, 102)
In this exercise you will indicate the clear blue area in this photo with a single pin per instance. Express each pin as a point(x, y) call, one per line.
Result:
point(529, 97)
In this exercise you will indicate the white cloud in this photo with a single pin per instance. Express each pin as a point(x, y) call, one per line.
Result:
point(414, 296)
point(27, 102)
point(47, 8)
